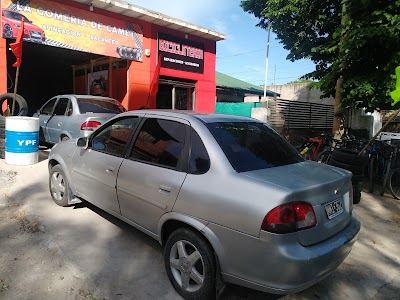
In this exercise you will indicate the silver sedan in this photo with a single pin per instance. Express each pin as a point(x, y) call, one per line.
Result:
point(66, 117)
point(226, 196)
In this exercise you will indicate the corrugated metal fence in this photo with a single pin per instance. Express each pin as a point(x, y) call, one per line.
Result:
point(296, 114)
point(286, 114)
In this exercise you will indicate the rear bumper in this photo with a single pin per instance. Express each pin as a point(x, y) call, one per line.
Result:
point(277, 265)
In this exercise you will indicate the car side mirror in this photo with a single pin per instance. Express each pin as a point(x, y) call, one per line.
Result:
point(83, 142)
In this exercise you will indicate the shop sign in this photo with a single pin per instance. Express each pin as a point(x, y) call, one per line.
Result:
point(54, 24)
point(180, 54)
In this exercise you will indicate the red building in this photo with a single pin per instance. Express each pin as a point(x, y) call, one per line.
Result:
point(109, 48)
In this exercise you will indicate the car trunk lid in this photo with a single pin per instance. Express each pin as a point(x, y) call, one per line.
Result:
point(326, 188)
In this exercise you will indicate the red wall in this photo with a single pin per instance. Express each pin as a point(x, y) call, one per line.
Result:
point(205, 83)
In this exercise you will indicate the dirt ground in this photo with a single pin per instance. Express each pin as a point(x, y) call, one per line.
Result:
point(49, 252)
point(32, 266)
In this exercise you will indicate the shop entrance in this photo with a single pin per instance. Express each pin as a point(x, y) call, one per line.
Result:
point(45, 72)
point(175, 95)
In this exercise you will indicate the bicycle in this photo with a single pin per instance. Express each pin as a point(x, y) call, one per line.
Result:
point(393, 179)
point(313, 145)
point(383, 162)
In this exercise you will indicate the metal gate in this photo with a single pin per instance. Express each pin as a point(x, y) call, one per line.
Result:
point(296, 115)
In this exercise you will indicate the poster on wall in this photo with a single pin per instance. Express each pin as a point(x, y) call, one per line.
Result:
point(55, 24)
point(180, 54)
point(98, 83)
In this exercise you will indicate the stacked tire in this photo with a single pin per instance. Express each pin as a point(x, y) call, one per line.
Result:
point(2, 136)
point(20, 109)
point(350, 160)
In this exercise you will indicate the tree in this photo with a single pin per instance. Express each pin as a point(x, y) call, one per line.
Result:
point(355, 44)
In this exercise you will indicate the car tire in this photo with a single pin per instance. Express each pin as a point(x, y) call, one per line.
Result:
point(2, 137)
point(355, 169)
point(349, 157)
point(2, 148)
point(21, 106)
point(64, 138)
point(58, 185)
point(7, 31)
point(190, 264)
point(356, 197)
point(2, 127)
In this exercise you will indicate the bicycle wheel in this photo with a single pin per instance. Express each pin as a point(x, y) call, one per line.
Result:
point(386, 176)
point(371, 175)
point(324, 156)
point(394, 183)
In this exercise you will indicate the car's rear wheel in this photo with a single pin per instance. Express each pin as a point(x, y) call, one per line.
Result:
point(64, 138)
point(59, 187)
point(190, 264)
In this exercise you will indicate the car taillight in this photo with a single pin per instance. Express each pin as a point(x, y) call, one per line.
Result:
point(290, 217)
point(90, 125)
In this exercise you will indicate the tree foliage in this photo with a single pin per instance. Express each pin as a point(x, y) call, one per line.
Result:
point(363, 47)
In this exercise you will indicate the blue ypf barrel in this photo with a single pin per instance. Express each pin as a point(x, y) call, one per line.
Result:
point(22, 141)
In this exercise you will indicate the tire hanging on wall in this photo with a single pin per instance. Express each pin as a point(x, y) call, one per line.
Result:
point(21, 106)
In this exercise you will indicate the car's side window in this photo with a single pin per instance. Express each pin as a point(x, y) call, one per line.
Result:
point(113, 138)
point(48, 108)
point(61, 107)
point(199, 162)
point(160, 142)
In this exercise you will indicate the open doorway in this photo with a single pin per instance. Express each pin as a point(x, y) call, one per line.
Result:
point(177, 95)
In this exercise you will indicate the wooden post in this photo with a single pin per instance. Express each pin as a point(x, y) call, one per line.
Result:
point(15, 91)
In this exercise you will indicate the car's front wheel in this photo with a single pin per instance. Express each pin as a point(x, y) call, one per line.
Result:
point(7, 31)
point(59, 187)
point(190, 264)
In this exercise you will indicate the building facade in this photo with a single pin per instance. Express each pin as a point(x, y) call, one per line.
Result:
point(109, 48)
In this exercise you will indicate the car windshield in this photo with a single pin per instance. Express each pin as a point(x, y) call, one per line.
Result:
point(15, 16)
point(252, 145)
point(93, 105)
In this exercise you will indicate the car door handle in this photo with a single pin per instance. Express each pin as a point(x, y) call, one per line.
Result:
point(163, 189)
point(110, 170)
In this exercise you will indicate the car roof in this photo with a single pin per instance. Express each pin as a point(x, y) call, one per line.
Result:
point(85, 96)
point(190, 115)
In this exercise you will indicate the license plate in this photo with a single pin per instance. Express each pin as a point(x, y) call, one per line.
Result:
point(333, 209)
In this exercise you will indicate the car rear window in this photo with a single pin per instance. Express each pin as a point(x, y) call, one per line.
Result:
point(252, 145)
point(93, 105)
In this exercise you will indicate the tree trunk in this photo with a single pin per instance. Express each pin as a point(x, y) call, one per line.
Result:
point(338, 118)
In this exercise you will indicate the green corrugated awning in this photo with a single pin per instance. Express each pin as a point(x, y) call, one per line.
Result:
point(227, 82)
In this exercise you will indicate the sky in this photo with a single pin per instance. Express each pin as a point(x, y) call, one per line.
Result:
point(243, 54)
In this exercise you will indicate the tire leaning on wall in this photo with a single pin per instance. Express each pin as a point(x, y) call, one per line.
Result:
point(2, 135)
point(21, 106)
point(350, 160)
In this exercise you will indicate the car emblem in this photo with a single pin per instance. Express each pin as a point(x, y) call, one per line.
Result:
point(336, 191)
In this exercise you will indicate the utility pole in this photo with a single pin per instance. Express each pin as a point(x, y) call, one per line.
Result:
point(266, 62)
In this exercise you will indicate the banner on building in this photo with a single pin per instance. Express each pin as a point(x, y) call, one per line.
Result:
point(180, 54)
point(55, 24)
